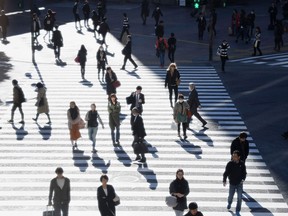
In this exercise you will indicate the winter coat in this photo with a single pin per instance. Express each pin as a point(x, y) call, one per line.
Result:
point(171, 80)
point(106, 204)
point(42, 103)
point(138, 126)
point(180, 186)
point(180, 108)
point(57, 38)
point(114, 114)
point(109, 83)
point(193, 101)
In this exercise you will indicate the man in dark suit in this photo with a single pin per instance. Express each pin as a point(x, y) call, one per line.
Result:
point(58, 41)
point(60, 185)
point(139, 133)
point(127, 51)
point(194, 104)
point(242, 145)
point(137, 99)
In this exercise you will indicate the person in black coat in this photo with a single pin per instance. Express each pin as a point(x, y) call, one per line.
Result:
point(193, 210)
point(35, 28)
point(49, 22)
point(105, 196)
point(156, 14)
point(144, 10)
point(138, 131)
point(82, 53)
point(57, 39)
point(159, 30)
point(110, 78)
point(180, 189)
point(240, 144)
point(127, 51)
point(103, 29)
point(194, 104)
point(101, 61)
point(201, 26)
point(171, 47)
point(60, 188)
point(76, 14)
point(172, 81)
point(137, 99)
point(4, 23)
point(86, 13)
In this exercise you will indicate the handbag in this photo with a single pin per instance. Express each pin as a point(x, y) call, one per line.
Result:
point(129, 99)
point(49, 212)
point(189, 114)
point(171, 201)
point(116, 200)
point(81, 124)
point(116, 84)
point(77, 59)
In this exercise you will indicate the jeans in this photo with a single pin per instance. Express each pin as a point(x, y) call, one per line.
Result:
point(117, 134)
point(178, 213)
point(61, 207)
point(92, 132)
point(162, 57)
point(239, 189)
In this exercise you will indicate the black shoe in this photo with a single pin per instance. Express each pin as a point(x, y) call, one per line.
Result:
point(34, 119)
point(118, 143)
point(204, 124)
point(49, 122)
point(94, 151)
point(137, 158)
point(122, 68)
point(185, 137)
point(10, 121)
point(143, 160)
point(114, 144)
point(22, 122)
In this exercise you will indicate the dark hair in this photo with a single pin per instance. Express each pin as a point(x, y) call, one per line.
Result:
point(104, 177)
point(172, 34)
point(124, 14)
point(14, 82)
point(135, 110)
point(59, 170)
point(138, 88)
point(39, 85)
point(180, 96)
point(113, 95)
point(243, 135)
point(193, 205)
point(179, 170)
point(237, 153)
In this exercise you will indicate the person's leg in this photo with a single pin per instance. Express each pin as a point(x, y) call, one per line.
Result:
point(36, 118)
point(184, 127)
point(231, 195)
point(178, 129)
point(90, 131)
point(198, 116)
point(57, 209)
point(170, 93)
point(175, 93)
point(172, 55)
point(132, 61)
point(118, 134)
point(178, 213)
point(239, 189)
point(258, 48)
point(12, 112)
point(113, 135)
point(65, 209)
point(94, 133)
point(48, 116)
point(21, 112)
point(124, 63)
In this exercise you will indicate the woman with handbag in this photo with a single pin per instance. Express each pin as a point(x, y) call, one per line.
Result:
point(106, 197)
point(172, 80)
point(42, 103)
point(82, 53)
point(180, 189)
point(180, 114)
point(110, 78)
point(74, 124)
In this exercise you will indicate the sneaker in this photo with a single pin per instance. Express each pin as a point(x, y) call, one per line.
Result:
point(229, 206)
point(10, 121)
point(49, 122)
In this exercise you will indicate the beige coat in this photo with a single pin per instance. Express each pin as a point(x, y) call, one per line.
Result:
point(45, 107)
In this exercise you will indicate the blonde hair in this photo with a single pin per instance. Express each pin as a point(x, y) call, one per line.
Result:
point(172, 65)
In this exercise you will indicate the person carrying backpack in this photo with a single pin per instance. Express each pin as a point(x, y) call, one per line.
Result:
point(161, 46)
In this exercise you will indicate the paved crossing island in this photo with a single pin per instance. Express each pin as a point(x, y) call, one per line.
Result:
point(31, 152)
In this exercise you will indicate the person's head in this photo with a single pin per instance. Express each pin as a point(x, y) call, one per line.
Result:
point(172, 34)
point(49, 11)
point(34, 15)
point(172, 67)
point(193, 208)
point(14, 82)
point(179, 174)
point(82, 47)
point(135, 111)
point(39, 85)
point(258, 29)
point(224, 42)
point(104, 179)
point(101, 48)
point(191, 86)
point(125, 14)
point(236, 156)
point(113, 97)
point(93, 106)
point(243, 136)
point(72, 104)
point(139, 89)
point(56, 27)
point(108, 69)
point(59, 171)
point(180, 98)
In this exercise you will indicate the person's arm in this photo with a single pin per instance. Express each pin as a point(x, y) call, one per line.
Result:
point(226, 173)
point(68, 190)
point(100, 120)
point(50, 193)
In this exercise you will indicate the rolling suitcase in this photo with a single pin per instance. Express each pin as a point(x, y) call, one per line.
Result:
point(49, 211)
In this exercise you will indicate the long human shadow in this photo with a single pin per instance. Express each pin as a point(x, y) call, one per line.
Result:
point(202, 136)
point(148, 174)
point(86, 83)
point(151, 149)
point(80, 160)
point(99, 163)
point(123, 157)
point(256, 208)
point(133, 73)
point(45, 131)
point(20, 131)
point(190, 148)
point(102, 83)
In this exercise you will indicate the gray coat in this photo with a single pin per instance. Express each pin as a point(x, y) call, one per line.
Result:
point(42, 95)
point(180, 108)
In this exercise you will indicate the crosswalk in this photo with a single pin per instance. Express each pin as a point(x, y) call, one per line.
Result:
point(29, 154)
point(279, 59)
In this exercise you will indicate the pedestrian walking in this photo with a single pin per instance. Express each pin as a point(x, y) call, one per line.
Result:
point(74, 124)
point(110, 78)
point(144, 11)
point(172, 80)
point(35, 28)
point(257, 41)
point(213, 16)
point(18, 99)
point(235, 20)
point(114, 109)
point(92, 117)
point(76, 14)
point(161, 46)
point(242, 29)
point(278, 33)
point(60, 193)
point(180, 189)
point(240, 144)
point(201, 26)
point(101, 58)
point(137, 99)
point(222, 51)
point(272, 10)
point(236, 172)
point(96, 22)
point(103, 30)
point(4, 23)
point(193, 210)
point(127, 52)
point(86, 13)
point(251, 22)
point(49, 22)
point(125, 26)
point(101, 9)
point(106, 196)
point(194, 104)
point(159, 30)
point(42, 102)
point(138, 132)
point(57, 40)
point(172, 47)
point(82, 53)
point(180, 115)
point(157, 13)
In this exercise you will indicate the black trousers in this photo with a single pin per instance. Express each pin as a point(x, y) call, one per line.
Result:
point(171, 88)
point(130, 59)
point(223, 61)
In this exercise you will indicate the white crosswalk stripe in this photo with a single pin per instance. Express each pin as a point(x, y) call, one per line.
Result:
point(279, 59)
point(30, 154)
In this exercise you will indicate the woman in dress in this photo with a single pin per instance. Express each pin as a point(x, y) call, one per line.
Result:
point(74, 120)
